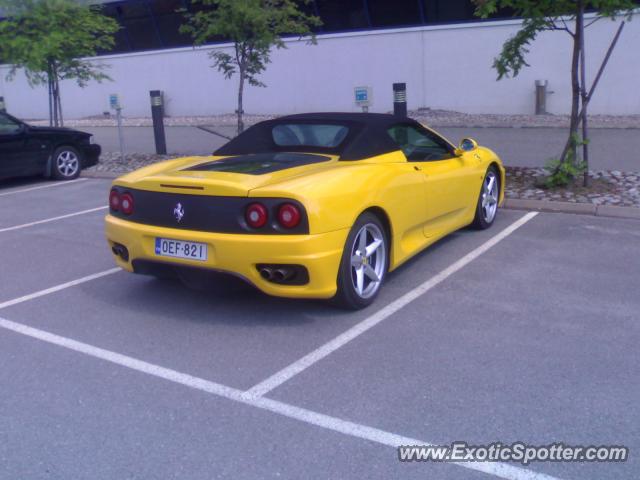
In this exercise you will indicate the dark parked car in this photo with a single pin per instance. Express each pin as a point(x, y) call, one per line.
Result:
point(53, 152)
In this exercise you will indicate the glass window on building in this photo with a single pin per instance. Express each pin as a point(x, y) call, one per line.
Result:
point(503, 13)
point(196, 7)
point(309, 8)
point(340, 15)
point(141, 31)
point(396, 13)
point(443, 11)
point(120, 37)
point(168, 20)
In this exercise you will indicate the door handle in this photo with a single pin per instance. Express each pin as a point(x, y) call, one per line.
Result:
point(417, 168)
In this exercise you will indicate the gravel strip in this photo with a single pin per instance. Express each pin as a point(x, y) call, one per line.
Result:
point(434, 118)
point(609, 187)
point(112, 162)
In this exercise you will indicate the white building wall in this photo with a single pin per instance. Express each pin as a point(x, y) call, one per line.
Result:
point(445, 67)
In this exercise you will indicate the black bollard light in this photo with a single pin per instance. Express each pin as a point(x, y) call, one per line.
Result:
point(400, 99)
point(157, 113)
point(3, 107)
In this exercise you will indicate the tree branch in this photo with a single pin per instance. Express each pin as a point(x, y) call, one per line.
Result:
point(550, 24)
point(592, 22)
point(566, 27)
point(605, 61)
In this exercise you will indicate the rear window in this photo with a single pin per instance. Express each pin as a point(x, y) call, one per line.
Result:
point(309, 135)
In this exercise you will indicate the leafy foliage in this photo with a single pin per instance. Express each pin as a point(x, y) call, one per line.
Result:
point(558, 15)
point(562, 173)
point(40, 32)
point(254, 27)
point(49, 38)
point(539, 16)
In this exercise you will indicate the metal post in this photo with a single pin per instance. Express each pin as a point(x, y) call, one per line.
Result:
point(400, 99)
point(120, 135)
point(157, 113)
point(541, 97)
point(3, 107)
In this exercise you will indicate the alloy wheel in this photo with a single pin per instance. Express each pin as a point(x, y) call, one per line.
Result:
point(68, 163)
point(368, 260)
point(490, 197)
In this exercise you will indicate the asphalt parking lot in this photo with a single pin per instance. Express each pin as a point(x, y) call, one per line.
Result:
point(526, 332)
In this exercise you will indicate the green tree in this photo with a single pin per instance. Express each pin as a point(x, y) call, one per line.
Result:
point(49, 39)
point(254, 27)
point(566, 16)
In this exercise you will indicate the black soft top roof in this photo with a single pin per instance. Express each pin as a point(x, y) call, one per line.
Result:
point(367, 136)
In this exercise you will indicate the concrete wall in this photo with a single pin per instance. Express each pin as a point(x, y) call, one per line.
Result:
point(446, 67)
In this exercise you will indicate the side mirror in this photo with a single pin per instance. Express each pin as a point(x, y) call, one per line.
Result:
point(466, 145)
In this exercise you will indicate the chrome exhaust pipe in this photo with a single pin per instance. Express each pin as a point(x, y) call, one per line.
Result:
point(120, 251)
point(282, 275)
point(266, 273)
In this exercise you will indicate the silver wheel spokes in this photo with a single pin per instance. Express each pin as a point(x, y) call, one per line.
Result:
point(67, 163)
point(368, 260)
point(490, 193)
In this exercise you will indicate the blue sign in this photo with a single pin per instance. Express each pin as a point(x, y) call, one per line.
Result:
point(114, 102)
point(363, 96)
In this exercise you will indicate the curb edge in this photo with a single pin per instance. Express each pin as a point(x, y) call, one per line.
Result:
point(610, 211)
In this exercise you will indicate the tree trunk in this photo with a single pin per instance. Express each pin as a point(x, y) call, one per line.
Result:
point(57, 99)
point(583, 82)
point(240, 111)
point(55, 103)
point(50, 86)
point(571, 145)
point(60, 117)
point(55, 94)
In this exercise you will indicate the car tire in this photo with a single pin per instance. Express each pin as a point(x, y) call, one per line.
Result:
point(487, 206)
point(362, 273)
point(66, 163)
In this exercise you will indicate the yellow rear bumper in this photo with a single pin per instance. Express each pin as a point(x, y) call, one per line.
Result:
point(239, 254)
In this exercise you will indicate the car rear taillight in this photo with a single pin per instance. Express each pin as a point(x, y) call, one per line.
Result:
point(114, 200)
point(126, 203)
point(289, 215)
point(256, 215)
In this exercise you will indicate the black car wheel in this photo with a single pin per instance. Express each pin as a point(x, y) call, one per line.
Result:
point(66, 163)
point(487, 207)
point(364, 264)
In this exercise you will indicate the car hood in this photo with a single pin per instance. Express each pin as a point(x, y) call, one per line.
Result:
point(57, 131)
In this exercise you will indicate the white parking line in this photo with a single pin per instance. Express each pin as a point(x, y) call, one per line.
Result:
point(57, 288)
point(47, 220)
point(321, 420)
point(48, 185)
point(308, 360)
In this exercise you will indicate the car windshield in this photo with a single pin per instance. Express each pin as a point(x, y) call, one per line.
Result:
point(309, 135)
point(8, 125)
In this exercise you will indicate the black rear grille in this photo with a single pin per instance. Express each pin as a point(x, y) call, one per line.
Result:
point(205, 213)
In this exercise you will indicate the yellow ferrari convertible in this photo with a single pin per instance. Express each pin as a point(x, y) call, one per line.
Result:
point(308, 206)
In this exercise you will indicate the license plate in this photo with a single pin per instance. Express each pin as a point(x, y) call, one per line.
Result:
point(179, 249)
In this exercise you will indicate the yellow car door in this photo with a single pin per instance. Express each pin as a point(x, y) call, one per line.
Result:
point(450, 179)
